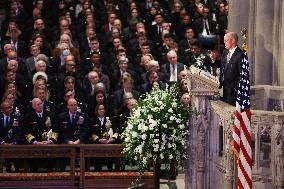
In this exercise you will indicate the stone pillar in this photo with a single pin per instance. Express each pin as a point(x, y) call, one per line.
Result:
point(276, 72)
point(229, 159)
point(201, 158)
point(238, 16)
point(278, 58)
point(257, 151)
point(251, 40)
point(264, 42)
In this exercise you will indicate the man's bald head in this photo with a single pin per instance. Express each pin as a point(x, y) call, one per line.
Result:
point(72, 105)
point(37, 105)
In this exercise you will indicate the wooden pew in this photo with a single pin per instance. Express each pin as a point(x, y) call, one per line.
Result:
point(55, 180)
point(38, 180)
point(111, 180)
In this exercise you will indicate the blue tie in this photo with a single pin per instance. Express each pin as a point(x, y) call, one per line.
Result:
point(73, 119)
point(6, 122)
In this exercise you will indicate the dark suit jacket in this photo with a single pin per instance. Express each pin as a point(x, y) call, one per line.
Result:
point(12, 132)
point(199, 25)
point(167, 70)
point(230, 75)
point(116, 78)
point(72, 132)
point(21, 48)
point(119, 96)
point(30, 62)
point(183, 45)
point(22, 68)
point(147, 87)
point(223, 25)
point(83, 43)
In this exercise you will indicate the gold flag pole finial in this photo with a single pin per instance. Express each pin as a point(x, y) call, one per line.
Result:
point(244, 33)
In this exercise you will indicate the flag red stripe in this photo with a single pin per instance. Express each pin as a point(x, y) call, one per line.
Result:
point(247, 177)
point(248, 112)
point(245, 154)
point(237, 133)
point(240, 186)
point(237, 130)
point(245, 131)
point(242, 129)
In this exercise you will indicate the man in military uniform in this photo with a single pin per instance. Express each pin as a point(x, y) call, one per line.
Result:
point(40, 129)
point(40, 125)
point(72, 124)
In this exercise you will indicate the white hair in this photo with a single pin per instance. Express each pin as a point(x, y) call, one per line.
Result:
point(38, 61)
point(172, 52)
point(153, 63)
point(91, 73)
point(39, 74)
point(42, 57)
point(100, 86)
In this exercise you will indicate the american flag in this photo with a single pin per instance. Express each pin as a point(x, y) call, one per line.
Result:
point(242, 129)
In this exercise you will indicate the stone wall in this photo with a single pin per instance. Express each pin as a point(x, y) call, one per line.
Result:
point(212, 163)
point(264, 20)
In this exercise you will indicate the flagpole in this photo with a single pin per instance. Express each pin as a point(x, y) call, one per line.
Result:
point(244, 33)
point(241, 143)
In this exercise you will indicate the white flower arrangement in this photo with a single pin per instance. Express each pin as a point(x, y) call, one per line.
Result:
point(157, 130)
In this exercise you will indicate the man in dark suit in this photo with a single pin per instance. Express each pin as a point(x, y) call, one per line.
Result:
point(18, 45)
point(73, 124)
point(153, 82)
point(123, 118)
point(12, 55)
point(230, 68)
point(172, 68)
point(123, 68)
point(10, 125)
point(185, 44)
point(223, 19)
point(30, 62)
point(85, 40)
point(4, 56)
point(127, 86)
point(205, 27)
point(71, 84)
